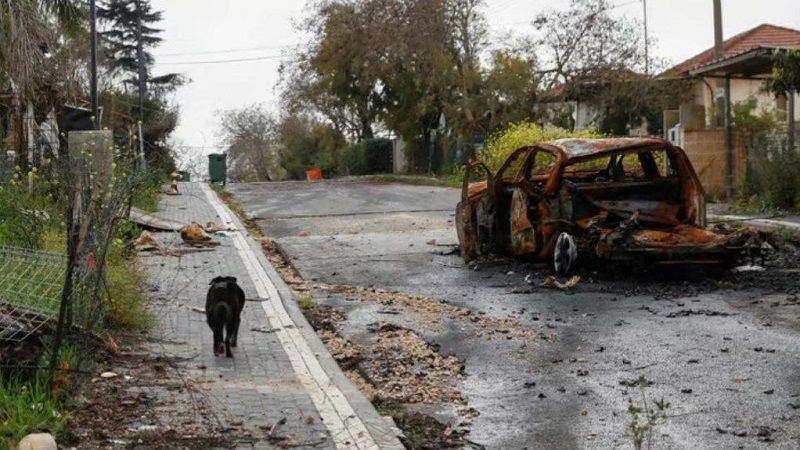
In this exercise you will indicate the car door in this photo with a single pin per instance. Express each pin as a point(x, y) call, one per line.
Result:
point(528, 205)
point(482, 216)
point(475, 213)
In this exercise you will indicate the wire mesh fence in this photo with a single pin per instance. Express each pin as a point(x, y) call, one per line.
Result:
point(62, 197)
point(31, 283)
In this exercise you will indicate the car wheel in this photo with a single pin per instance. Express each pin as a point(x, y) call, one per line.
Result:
point(565, 257)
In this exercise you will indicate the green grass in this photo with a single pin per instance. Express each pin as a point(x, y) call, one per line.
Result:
point(420, 180)
point(26, 407)
point(125, 300)
point(147, 198)
point(306, 302)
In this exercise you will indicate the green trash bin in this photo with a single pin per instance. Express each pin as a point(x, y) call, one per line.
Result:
point(217, 167)
point(185, 176)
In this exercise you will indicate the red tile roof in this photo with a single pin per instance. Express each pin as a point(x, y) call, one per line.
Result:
point(764, 35)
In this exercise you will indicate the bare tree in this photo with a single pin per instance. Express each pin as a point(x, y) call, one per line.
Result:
point(250, 137)
point(586, 39)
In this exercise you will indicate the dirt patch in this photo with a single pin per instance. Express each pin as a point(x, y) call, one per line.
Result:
point(421, 431)
point(431, 311)
point(400, 366)
point(280, 262)
point(151, 401)
point(406, 369)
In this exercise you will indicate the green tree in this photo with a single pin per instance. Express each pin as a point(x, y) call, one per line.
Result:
point(120, 40)
point(509, 89)
point(785, 72)
point(307, 143)
point(337, 74)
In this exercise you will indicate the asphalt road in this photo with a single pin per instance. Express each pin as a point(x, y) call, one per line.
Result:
point(725, 354)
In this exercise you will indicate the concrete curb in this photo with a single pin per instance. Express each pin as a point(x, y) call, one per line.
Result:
point(382, 430)
point(770, 224)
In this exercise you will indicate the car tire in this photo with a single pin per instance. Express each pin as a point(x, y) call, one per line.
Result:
point(565, 256)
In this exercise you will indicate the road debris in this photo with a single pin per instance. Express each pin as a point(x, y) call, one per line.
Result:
point(194, 235)
point(212, 227)
point(552, 282)
point(430, 310)
point(151, 221)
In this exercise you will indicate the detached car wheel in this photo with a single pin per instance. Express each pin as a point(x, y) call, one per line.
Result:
point(565, 257)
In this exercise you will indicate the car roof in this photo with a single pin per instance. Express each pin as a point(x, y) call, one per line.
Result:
point(580, 148)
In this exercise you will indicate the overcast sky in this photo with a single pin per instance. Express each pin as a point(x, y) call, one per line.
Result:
point(199, 31)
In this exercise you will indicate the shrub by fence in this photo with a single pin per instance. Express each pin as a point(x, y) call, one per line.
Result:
point(774, 175)
point(367, 157)
point(378, 155)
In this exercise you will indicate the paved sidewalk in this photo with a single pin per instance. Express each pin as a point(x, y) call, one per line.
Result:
point(280, 369)
point(719, 212)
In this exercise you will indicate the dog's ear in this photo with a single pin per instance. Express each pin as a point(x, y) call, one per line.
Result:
point(223, 280)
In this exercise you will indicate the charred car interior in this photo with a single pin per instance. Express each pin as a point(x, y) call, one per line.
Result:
point(621, 199)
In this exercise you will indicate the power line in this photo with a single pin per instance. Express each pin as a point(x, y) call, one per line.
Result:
point(225, 61)
point(224, 51)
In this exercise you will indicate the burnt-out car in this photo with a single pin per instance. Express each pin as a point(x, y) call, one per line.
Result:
point(620, 199)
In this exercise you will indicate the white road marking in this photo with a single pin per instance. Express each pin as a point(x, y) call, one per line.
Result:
point(346, 428)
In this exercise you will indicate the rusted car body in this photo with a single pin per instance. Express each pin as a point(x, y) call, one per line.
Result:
point(635, 199)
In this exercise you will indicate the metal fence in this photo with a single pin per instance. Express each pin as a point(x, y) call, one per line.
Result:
point(31, 284)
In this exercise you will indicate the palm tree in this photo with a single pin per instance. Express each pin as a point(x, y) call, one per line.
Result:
point(29, 31)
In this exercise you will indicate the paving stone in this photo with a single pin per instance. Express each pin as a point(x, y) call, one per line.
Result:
point(253, 388)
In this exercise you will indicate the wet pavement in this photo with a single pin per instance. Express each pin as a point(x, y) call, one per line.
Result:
point(724, 352)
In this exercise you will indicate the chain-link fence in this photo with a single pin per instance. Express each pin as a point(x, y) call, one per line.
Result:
point(31, 283)
point(61, 200)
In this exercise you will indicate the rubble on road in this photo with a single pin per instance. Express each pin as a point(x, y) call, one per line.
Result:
point(406, 369)
point(147, 242)
point(552, 281)
point(431, 310)
point(151, 221)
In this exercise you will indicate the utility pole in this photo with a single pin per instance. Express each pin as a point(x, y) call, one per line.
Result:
point(142, 78)
point(790, 117)
point(646, 45)
point(93, 63)
point(724, 103)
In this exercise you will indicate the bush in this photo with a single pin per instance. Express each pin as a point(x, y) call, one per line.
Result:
point(25, 215)
point(378, 155)
point(367, 157)
point(352, 160)
point(503, 143)
point(774, 181)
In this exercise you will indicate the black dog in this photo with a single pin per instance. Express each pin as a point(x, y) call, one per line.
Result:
point(224, 304)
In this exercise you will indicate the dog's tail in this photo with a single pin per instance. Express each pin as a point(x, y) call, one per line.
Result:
point(221, 313)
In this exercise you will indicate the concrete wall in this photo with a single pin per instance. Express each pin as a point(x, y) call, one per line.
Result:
point(706, 151)
point(742, 90)
point(399, 160)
